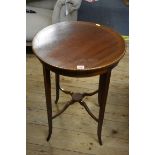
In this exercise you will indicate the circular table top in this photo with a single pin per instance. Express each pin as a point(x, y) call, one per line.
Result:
point(78, 47)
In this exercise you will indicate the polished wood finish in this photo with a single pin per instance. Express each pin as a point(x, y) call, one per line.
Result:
point(47, 84)
point(57, 87)
point(104, 81)
point(64, 47)
point(74, 132)
point(76, 97)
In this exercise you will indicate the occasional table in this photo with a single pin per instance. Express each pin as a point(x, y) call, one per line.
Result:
point(78, 49)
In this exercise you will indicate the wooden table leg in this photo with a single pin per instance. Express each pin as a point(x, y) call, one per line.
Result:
point(104, 81)
point(57, 79)
point(47, 83)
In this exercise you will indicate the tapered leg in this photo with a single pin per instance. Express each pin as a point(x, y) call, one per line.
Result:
point(102, 97)
point(47, 83)
point(57, 79)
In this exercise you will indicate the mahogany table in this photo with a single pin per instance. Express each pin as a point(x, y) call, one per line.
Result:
point(78, 49)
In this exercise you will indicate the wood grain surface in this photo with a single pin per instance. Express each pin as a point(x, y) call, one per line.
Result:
point(66, 45)
point(74, 132)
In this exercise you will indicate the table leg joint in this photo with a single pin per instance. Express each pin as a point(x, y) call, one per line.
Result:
point(88, 110)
